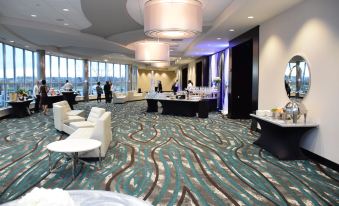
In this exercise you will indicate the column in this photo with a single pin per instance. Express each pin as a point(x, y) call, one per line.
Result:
point(86, 81)
point(130, 82)
point(41, 74)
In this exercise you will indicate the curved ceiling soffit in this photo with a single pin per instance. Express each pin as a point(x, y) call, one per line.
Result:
point(48, 35)
point(48, 12)
point(108, 17)
point(211, 10)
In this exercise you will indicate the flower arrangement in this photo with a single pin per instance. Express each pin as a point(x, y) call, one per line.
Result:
point(22, 92)
point(217, 79)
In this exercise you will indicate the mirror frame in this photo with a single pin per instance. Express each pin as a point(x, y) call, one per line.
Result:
point(287, 78)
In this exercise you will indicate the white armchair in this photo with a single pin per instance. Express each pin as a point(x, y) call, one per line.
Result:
point(101, 131)
point(119, 98)
point(61, 119)
point(69, 111)
point(134, 96)
point(93, 116)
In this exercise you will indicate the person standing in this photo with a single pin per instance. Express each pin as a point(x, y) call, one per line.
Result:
point(175, 87)
point(36, 96)
point(159, 87)
point(107, 90)
point(68, 86)
point(112, 89)
point(189, 85)
point(99, 92)
point(43, 96)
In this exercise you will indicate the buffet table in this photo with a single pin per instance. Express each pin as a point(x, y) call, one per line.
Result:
point(20, 108)
point(69, 96)
point(181, 107)
point(281, 138)
point(53, 99)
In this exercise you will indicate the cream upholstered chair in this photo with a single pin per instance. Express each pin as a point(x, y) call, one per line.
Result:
point(93, 116)
point(101, 131)
point(134, 96)
point(119, 98)
point(61, 119)
point(69, 111)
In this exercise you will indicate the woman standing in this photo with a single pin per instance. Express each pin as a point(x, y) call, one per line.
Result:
point(99, 92)
point(43, 96)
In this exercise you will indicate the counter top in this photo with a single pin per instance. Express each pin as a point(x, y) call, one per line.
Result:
point(287, 123)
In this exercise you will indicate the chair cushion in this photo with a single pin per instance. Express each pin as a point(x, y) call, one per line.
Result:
point(82, 133)
point(95, 114)
point(82, 124)
point(74, 119)
point(75, 112)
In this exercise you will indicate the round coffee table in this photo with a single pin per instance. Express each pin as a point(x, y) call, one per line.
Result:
point(73, 146)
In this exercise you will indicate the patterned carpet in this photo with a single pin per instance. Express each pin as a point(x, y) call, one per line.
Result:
point(165, 160)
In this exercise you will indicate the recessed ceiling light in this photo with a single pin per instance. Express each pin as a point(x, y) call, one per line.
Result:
point(11, 41)
point(65, 9)
point(66, 24)
point(33, 15)
point(105, 60)
point(171, 50)
point(26, 46)
point(251, 17)
point(218, 38)
point(231, 30)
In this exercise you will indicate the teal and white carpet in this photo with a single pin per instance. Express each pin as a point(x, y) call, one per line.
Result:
point(165, 160)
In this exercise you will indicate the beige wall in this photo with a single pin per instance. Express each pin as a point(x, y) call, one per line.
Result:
point(310, 29)
point(167, 79)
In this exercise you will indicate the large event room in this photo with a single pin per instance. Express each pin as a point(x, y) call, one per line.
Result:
point(169, 102)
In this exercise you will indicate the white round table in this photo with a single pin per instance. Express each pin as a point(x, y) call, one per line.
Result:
point(98, 198)
point(73, 146)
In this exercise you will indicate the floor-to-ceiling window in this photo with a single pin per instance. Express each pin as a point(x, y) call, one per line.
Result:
point(2, 77)
point(79, 75)
point(71, 72)
point(29, 71)
point(9, 71)
point(17, 71)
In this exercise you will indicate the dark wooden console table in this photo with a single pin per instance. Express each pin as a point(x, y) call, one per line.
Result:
point(282, 138)
point(20, 108)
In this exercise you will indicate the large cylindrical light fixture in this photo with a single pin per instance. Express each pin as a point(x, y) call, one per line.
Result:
point(172, 19)
point(161, 64)
point(151, 51)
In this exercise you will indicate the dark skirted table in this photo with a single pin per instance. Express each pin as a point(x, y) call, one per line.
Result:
point(53, 99)
point(180, 107)
point(282, 138)
point(20, 108)
point(69, 96)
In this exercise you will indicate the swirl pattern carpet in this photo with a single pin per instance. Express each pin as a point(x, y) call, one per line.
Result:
point(165, 160)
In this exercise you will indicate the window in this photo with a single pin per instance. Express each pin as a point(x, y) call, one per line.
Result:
point(62, 72)
point(2, 77)
point(79, 76)
point(71, 71)
point(102, 73)
point(54, 72)
point(19, 68)
point(29, 74)
point(93, 78)
point(48, 68)
point(9, 68)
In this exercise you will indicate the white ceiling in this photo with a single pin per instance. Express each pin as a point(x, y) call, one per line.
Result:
point(107, 28)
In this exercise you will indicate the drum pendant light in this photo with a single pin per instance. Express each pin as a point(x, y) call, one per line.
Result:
point(151, 51)
point(172, 19)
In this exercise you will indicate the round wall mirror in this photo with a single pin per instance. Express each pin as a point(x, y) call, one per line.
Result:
point(297, 78)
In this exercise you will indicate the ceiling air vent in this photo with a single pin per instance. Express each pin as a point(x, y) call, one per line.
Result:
point(176, 40)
